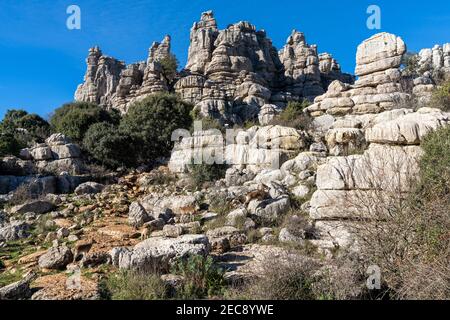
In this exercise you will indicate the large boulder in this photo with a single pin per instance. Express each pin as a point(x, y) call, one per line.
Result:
point(19, 290)
point(137, 215)
point(35, 206)
point(56, 258)
point(159, 253)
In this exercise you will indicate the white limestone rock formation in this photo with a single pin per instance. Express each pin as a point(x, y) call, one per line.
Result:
point(230, 74)
point(351, 187)
point(113, 84)
point(378, 87)
point(254, 149)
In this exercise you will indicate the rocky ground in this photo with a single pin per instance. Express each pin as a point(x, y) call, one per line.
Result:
point(100, 229)
point(363, 140)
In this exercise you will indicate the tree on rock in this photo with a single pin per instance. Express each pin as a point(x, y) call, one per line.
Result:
point(109, 146)
point(152, 122)
point(74, 119)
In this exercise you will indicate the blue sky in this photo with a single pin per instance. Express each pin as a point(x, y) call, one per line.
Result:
point(42, 62)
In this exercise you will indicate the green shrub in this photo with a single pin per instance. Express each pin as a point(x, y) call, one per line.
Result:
point(169, 66)
point(435, 163)
point(2, 265)
point(293, 116)
point(20, 129)
point(9, 145)
point(133, 285)
point(109, 146)
point(74, 119)
point(201, 173)
point(410, 64)
point(201, 278)
point(441, 97)
point(287, 278)
point(152, 121)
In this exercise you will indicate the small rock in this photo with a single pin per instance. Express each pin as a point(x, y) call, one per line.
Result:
point(236, 216)
point(72, 238)
point(137, 215)
point(62, 233)
point(89, 188)
point(172, 231)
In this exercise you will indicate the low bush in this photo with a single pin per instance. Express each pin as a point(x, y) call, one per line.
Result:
point(441, 97)
point(110, 146)
point(74, 119)
point(26, 192)
point(294, 116)
point(169, 65)
point(201, 173)
point(201, 278)
point(435, 163)
point(133, 285)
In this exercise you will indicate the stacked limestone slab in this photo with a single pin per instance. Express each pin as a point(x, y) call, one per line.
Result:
point(57, 154)
point(253, 149)
point(378, 87)
point(113, 84)
point(51, 167)
point(355, 187)
point(230, 74)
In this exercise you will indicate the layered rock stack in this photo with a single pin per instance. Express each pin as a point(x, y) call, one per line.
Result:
point(435, 59)
point(51, 166)
point(113, 84)
point(230, 74)
point(353, 188)
point(101, 78)
point(378, 87)
point(254, 149)
point(433, 66)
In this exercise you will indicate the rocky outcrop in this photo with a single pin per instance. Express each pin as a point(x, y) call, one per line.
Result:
point(159, 253)
point(113, 84)
point(51, 167)
point(435, 60)
point(377, 88)
point(58, 154)
point(351, 188)
point(230, 74)
point(256, 148)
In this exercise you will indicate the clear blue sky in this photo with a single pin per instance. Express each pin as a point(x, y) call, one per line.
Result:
point(42, 62)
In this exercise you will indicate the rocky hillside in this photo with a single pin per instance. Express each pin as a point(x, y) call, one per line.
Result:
point(230, 74)
point(362, 181)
